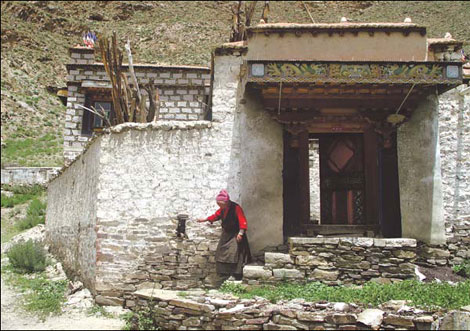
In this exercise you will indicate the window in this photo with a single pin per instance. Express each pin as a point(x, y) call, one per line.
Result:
point(92, 121)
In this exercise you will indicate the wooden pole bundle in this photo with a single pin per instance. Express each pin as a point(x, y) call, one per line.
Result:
point(238, 26)
point(130, 104)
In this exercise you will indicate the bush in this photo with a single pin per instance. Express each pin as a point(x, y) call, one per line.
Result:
point(462, 269)
point(21, 194)
point(34, 215)
point(27, 257)
point(143, 319)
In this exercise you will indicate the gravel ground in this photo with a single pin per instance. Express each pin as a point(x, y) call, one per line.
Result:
point(15, 318)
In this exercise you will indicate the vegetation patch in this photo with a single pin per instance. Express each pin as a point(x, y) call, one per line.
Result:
point(427, 295)
point(36, 214)
point(25, 150)
point(41, 295)
point(27, 257)
point(21, 194)
point(142, 319)
point(99, 311)
point(462, 269)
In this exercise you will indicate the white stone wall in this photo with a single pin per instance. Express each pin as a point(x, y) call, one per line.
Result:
point(454, 135)
point(28, 175)
point(71, 216)
point(314, 164)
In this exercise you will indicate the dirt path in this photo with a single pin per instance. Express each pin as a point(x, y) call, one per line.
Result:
point(14, 318)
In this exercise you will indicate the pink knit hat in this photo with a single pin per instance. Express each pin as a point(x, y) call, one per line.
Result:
point(222, 196)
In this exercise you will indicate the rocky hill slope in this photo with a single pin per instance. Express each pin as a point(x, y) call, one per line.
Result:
point(35, 36)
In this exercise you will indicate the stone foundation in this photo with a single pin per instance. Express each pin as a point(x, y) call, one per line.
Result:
point(336, 261)
point(214, 311)
point(168, 262)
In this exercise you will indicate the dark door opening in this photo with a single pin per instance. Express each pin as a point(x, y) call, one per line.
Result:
point(342, 179)
point(358, 185)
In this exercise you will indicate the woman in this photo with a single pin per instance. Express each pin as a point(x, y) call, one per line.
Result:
point(233, 250)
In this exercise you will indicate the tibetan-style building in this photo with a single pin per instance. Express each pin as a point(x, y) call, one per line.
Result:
point(324, 133)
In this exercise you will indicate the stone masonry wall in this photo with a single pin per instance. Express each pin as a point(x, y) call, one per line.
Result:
point(314, 173)
point(216, 311)
point(139, 177)
point(71, 216)
point(165, 261)
point(336, 261)
point(28, 175)
point(454, 135)
point(149, 174)
point(183, 92)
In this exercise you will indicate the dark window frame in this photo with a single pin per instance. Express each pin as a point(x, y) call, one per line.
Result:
point(88, 118)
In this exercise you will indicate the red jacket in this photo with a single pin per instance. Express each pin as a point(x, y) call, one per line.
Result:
point(238, 211)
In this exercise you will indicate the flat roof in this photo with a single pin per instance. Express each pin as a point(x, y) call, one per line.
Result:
point(336, 26)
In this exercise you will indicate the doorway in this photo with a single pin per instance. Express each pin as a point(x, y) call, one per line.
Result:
point(356, 185)
point(342, 179)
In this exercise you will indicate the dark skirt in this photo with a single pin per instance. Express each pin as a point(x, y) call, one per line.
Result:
point(231, 256)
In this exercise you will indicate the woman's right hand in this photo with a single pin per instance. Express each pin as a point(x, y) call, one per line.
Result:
point(201, 220)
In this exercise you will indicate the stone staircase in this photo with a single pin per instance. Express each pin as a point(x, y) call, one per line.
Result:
point(336, 261)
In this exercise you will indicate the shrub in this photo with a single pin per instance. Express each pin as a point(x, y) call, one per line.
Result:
point(21, 194)
point(143, 319)
point(27, 257)
point(34, 215)
point(462, 269)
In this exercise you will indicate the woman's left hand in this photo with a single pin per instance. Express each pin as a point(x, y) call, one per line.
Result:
point(239, 237)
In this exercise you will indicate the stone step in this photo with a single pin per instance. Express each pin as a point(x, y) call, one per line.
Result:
point(281, 274)
point(277, 259)
point(256, 272)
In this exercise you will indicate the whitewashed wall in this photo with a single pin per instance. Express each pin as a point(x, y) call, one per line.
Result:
point(454, 134)
point(71, 216)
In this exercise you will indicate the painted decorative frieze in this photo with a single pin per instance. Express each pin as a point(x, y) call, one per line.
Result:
point(419, 73)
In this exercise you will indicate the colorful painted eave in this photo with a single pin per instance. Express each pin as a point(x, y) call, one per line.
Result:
point(439, 73)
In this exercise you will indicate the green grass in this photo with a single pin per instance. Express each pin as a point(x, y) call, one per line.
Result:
point(41, 295)
point(463, 269)
point(99, 310)
point(35, 215)
point(427, 295)
point(21, 194)
point(25, 151)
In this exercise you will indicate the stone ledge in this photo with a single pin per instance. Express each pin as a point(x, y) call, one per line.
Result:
point(251, 272)
point(355, 241)
point(160, 125)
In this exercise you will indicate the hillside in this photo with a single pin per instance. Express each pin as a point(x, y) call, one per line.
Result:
point(35, 37)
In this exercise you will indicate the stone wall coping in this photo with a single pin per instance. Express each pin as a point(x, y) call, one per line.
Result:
point(162, 125)
point(139, 66)
point(161, 295)
point(355, 241)
point(31, 168)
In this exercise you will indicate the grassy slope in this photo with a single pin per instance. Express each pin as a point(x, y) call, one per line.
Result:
point(36, 36)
